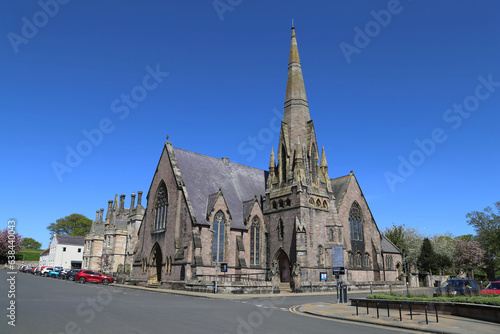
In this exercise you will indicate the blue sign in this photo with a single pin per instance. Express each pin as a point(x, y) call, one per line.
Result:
point(322, 276)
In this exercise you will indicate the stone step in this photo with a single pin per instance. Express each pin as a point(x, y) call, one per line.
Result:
point(154, 285)
point(285, 287)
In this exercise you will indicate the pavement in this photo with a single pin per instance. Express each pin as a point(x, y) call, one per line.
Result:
point(346, 312)
point(445, 324)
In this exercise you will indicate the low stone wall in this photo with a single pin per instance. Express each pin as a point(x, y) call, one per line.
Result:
point(250, 287)
point(474, 311)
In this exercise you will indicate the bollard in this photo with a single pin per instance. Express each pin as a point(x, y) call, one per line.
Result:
point(371, 289)
point(390, 289)
point(407, 290)
point(344, 290)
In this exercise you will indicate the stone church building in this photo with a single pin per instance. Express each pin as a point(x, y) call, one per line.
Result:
point(279, 225)
point(110, 245)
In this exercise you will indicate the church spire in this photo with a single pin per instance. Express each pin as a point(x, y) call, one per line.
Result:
point(296, 113)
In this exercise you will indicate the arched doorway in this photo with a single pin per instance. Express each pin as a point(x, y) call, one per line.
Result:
point(155, 264)
point(284, 265)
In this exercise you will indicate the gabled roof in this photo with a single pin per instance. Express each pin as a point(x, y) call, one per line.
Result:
point(204, 175)
point(388, 246)
point(45, 252)
point(339, 188)
point(70, 240)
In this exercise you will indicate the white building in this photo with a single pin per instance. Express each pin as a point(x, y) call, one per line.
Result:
point(66, 251)
point(44, 258)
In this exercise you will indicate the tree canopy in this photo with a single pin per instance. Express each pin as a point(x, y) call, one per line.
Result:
point(30, 243)
point(13, 244)
point(487, 226)
point(74, 224)
point(426, 261)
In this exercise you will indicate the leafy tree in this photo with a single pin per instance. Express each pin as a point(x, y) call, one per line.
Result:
point(13, 244)
point(426, 261)
point(30, 243)
point(487, 226)
point(468, 255)
point(74, 224)
point(444, 250)
point(408, 240)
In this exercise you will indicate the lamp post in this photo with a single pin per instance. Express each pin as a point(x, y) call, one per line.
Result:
point(216, 260)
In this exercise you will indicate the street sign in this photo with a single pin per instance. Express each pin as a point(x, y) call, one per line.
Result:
point(338, 271)
point(322, 276)
point(223, 267)
point(338, 257)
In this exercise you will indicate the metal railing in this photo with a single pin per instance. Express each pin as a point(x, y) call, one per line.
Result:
point(234, 277)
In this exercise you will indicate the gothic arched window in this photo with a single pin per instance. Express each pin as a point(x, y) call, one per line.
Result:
point(161, 207)
point(356, 222)
point(330, 235)
point(218, 238)
point(255, 242)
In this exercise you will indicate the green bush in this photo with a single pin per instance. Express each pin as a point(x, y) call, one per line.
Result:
point(485, 300)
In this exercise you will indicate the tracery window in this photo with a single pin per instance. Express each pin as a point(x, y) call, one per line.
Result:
point(161, 207)
point(366, 260)
point(218, 238)
point(356, 222)
point(388, 262)
point(255, 242)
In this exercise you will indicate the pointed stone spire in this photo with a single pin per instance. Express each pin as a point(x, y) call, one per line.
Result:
point(272, 161)
point(296, 113)
point(323, 158)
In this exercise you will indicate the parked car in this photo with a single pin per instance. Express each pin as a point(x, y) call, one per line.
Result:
point(62, 273)
point(456, 286)
point(93, 277)
point(27, 269)
point(492, 288)
point(45, 271)
point(70, 275)
point(21, 268)
point(32, 270)
point(54, 273)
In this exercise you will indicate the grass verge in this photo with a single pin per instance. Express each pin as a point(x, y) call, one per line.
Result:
point(485, 300)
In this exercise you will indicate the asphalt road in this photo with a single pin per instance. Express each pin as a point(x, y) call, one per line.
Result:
point(46, 305)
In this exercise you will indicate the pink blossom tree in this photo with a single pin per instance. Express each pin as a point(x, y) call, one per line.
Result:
point(12, 243)
point(468, 255)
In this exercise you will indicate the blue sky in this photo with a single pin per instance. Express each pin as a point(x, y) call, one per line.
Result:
point(405, 94)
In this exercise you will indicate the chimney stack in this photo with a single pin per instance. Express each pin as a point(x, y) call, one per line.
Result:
point(97, 216)
point(100, 217)
point(122, 203)
point(139, 197)
point(132, 201)
point(110, 206)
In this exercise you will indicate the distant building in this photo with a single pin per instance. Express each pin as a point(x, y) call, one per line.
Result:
point(280, 225)
point(109, 247)
point(66, 251)
point(44, 257)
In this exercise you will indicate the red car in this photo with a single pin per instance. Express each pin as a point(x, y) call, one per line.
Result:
point(492, 288)
point(93, 277)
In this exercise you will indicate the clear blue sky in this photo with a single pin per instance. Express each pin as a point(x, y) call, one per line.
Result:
point(372, 95)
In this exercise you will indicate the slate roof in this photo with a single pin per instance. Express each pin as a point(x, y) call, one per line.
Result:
point(388, 246)
point(339, 187)
point(45, 252)
point(204, 175)
point(70, 240)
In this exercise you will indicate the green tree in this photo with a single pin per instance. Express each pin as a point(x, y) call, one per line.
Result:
point(30, 243)
point(408, 240)
point(487, 226)
point(444, 250)
point(427, 259)
point(74, 224)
